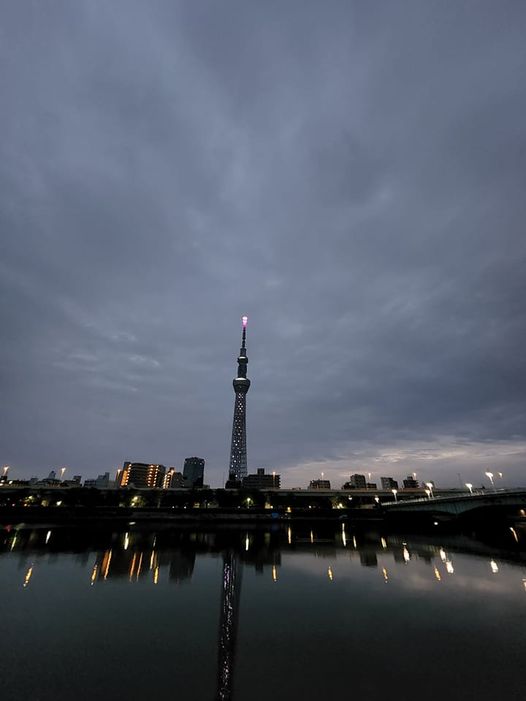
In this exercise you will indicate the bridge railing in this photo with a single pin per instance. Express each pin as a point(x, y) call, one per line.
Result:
point(484, 493)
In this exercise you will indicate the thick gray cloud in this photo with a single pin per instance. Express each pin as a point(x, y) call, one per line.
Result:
point(351, 175)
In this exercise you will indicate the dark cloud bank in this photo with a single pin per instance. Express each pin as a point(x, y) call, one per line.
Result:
point(350, 175)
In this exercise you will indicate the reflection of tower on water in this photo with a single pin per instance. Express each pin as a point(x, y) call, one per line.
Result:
point(230, 596)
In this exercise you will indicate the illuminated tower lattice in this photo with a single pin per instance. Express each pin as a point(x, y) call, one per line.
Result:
point(238, 450)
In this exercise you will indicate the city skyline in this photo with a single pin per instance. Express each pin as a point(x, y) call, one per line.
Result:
point(349, 176)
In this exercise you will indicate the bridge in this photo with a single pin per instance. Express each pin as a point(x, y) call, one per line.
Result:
point(457, 505)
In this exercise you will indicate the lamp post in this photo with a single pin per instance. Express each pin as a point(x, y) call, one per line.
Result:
point(489, 475)
point(470, 487)
point(62, 470)
point(395, 492)
point(428, 492)
point(429, 486)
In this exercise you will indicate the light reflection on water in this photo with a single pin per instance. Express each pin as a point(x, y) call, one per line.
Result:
point(320, 612)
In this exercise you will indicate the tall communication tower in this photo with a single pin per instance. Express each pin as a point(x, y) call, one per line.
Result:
point(238, 449)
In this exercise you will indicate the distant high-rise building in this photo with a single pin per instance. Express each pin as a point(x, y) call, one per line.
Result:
point(140, 474)
point(358, 481)
point(319, 484)
point(193, 472)
point(238, 447)
point(388, 483)
point(262, 481)
point(102, 481)
point(410, 482)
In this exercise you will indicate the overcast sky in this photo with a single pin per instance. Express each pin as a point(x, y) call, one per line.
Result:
point(351, 175)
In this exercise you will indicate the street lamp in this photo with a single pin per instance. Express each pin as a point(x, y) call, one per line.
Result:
point(395, 492)
point(62, 470)
point(470, 487)
point(429, 486)
point(428, 492)
point(490, 477)
point(369, 475)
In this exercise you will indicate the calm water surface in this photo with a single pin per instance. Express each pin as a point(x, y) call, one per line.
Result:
point(291, 613)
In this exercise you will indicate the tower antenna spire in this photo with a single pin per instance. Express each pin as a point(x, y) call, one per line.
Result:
point(244, 321)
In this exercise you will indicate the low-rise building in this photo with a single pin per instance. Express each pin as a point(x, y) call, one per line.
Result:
point(319, 484)
point(101, 482)
point(261, 480)
point(388, 483)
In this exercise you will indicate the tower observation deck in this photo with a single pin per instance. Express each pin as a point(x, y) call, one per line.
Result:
point(238, 449)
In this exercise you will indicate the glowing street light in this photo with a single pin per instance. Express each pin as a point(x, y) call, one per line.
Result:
point(470, 487)
point(428, 492)
point(429, 486)
point(62, 470)
point(395, 492)
point(6, 470)
point(489, 475)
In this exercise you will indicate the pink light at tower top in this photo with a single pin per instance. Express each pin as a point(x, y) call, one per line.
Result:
point(244, 319)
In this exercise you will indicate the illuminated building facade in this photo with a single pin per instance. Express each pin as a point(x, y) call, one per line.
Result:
point(173, 479)
point(140, 474)
point(238, 449)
